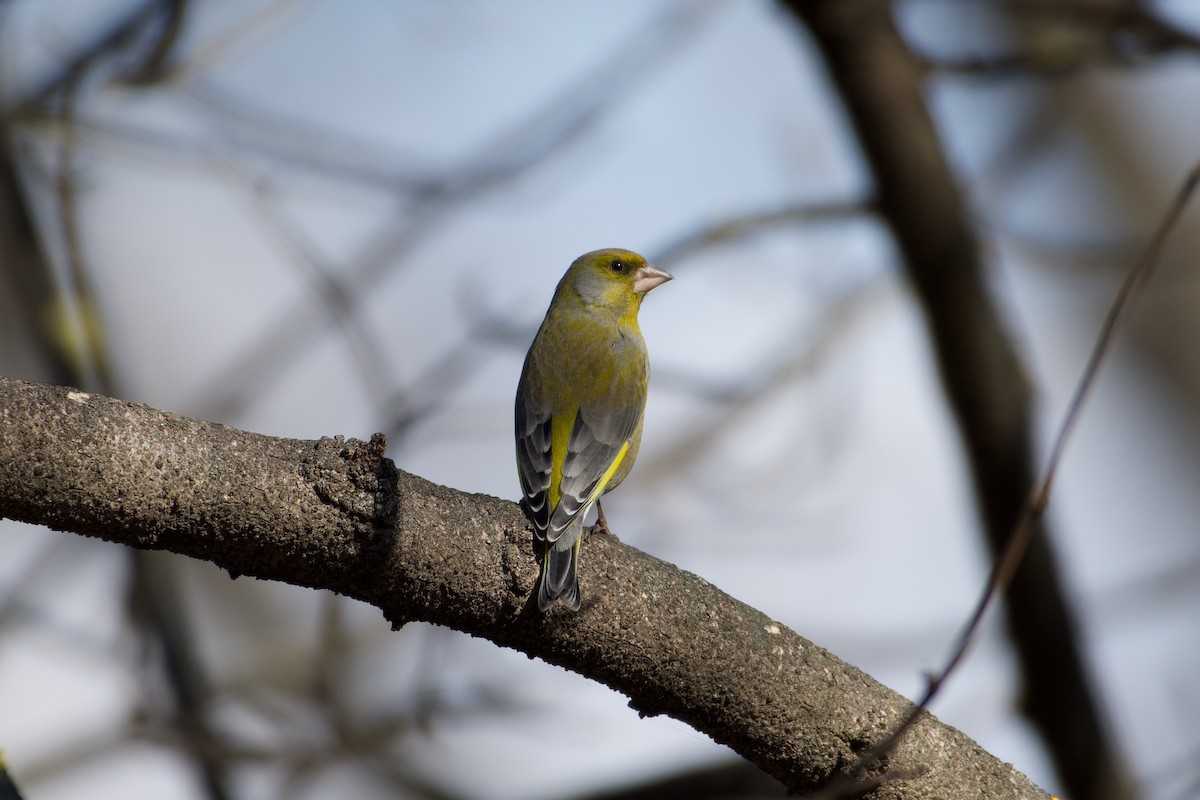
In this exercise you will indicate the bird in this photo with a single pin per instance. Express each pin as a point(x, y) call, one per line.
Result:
point(579, 407)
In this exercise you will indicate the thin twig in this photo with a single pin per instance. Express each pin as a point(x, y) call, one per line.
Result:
point(549, 132)
point(1030, 520)
point(109, 42)
point(155, 64)
point(743, 227)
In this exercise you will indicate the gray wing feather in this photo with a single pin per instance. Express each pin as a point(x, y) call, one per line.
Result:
point(596, 441)
point(533, 463)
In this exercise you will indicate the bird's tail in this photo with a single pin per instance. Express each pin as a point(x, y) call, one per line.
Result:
point(558, 580)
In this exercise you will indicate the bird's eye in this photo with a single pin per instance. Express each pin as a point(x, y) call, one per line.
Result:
point(618, 266)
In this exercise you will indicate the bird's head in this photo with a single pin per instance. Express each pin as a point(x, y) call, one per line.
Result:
point(613, 279)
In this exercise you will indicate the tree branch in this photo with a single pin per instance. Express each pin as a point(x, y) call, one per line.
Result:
point(986, 385)
point(335, 514)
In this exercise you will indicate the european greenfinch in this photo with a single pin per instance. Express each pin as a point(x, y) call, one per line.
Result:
point(579, 406)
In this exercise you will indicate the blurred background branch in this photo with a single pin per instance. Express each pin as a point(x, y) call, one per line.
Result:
point(986, 385)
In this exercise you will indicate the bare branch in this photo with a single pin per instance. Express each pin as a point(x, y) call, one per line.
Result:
point(1080, 35)
point(335, 514)
point(545, 133)
point(735, 229)
point(154, 64)
point(1031, 518)
point(108, 43)
point(1040, 495)
point(986, 385)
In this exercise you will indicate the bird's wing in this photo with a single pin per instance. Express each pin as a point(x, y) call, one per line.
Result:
point(534, 462)
point(599, 441)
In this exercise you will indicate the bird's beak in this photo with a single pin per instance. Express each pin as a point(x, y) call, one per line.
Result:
point(649, 276)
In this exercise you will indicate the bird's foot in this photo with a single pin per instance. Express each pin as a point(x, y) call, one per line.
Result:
point(601, 526)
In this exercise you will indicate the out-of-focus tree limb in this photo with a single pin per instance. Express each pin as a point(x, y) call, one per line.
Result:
point(1063, 37)
point(154, 65)
point(109, 42)
point(546, 133)
point(734, 229)
point(881, 85)
point(337, 515)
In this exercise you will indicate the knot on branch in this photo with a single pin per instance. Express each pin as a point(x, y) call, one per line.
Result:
point(354, 477)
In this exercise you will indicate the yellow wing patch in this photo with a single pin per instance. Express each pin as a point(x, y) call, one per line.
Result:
point(608, 473)
point(560, 434)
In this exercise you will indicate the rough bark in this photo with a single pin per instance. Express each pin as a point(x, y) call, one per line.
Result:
point(335, 514)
